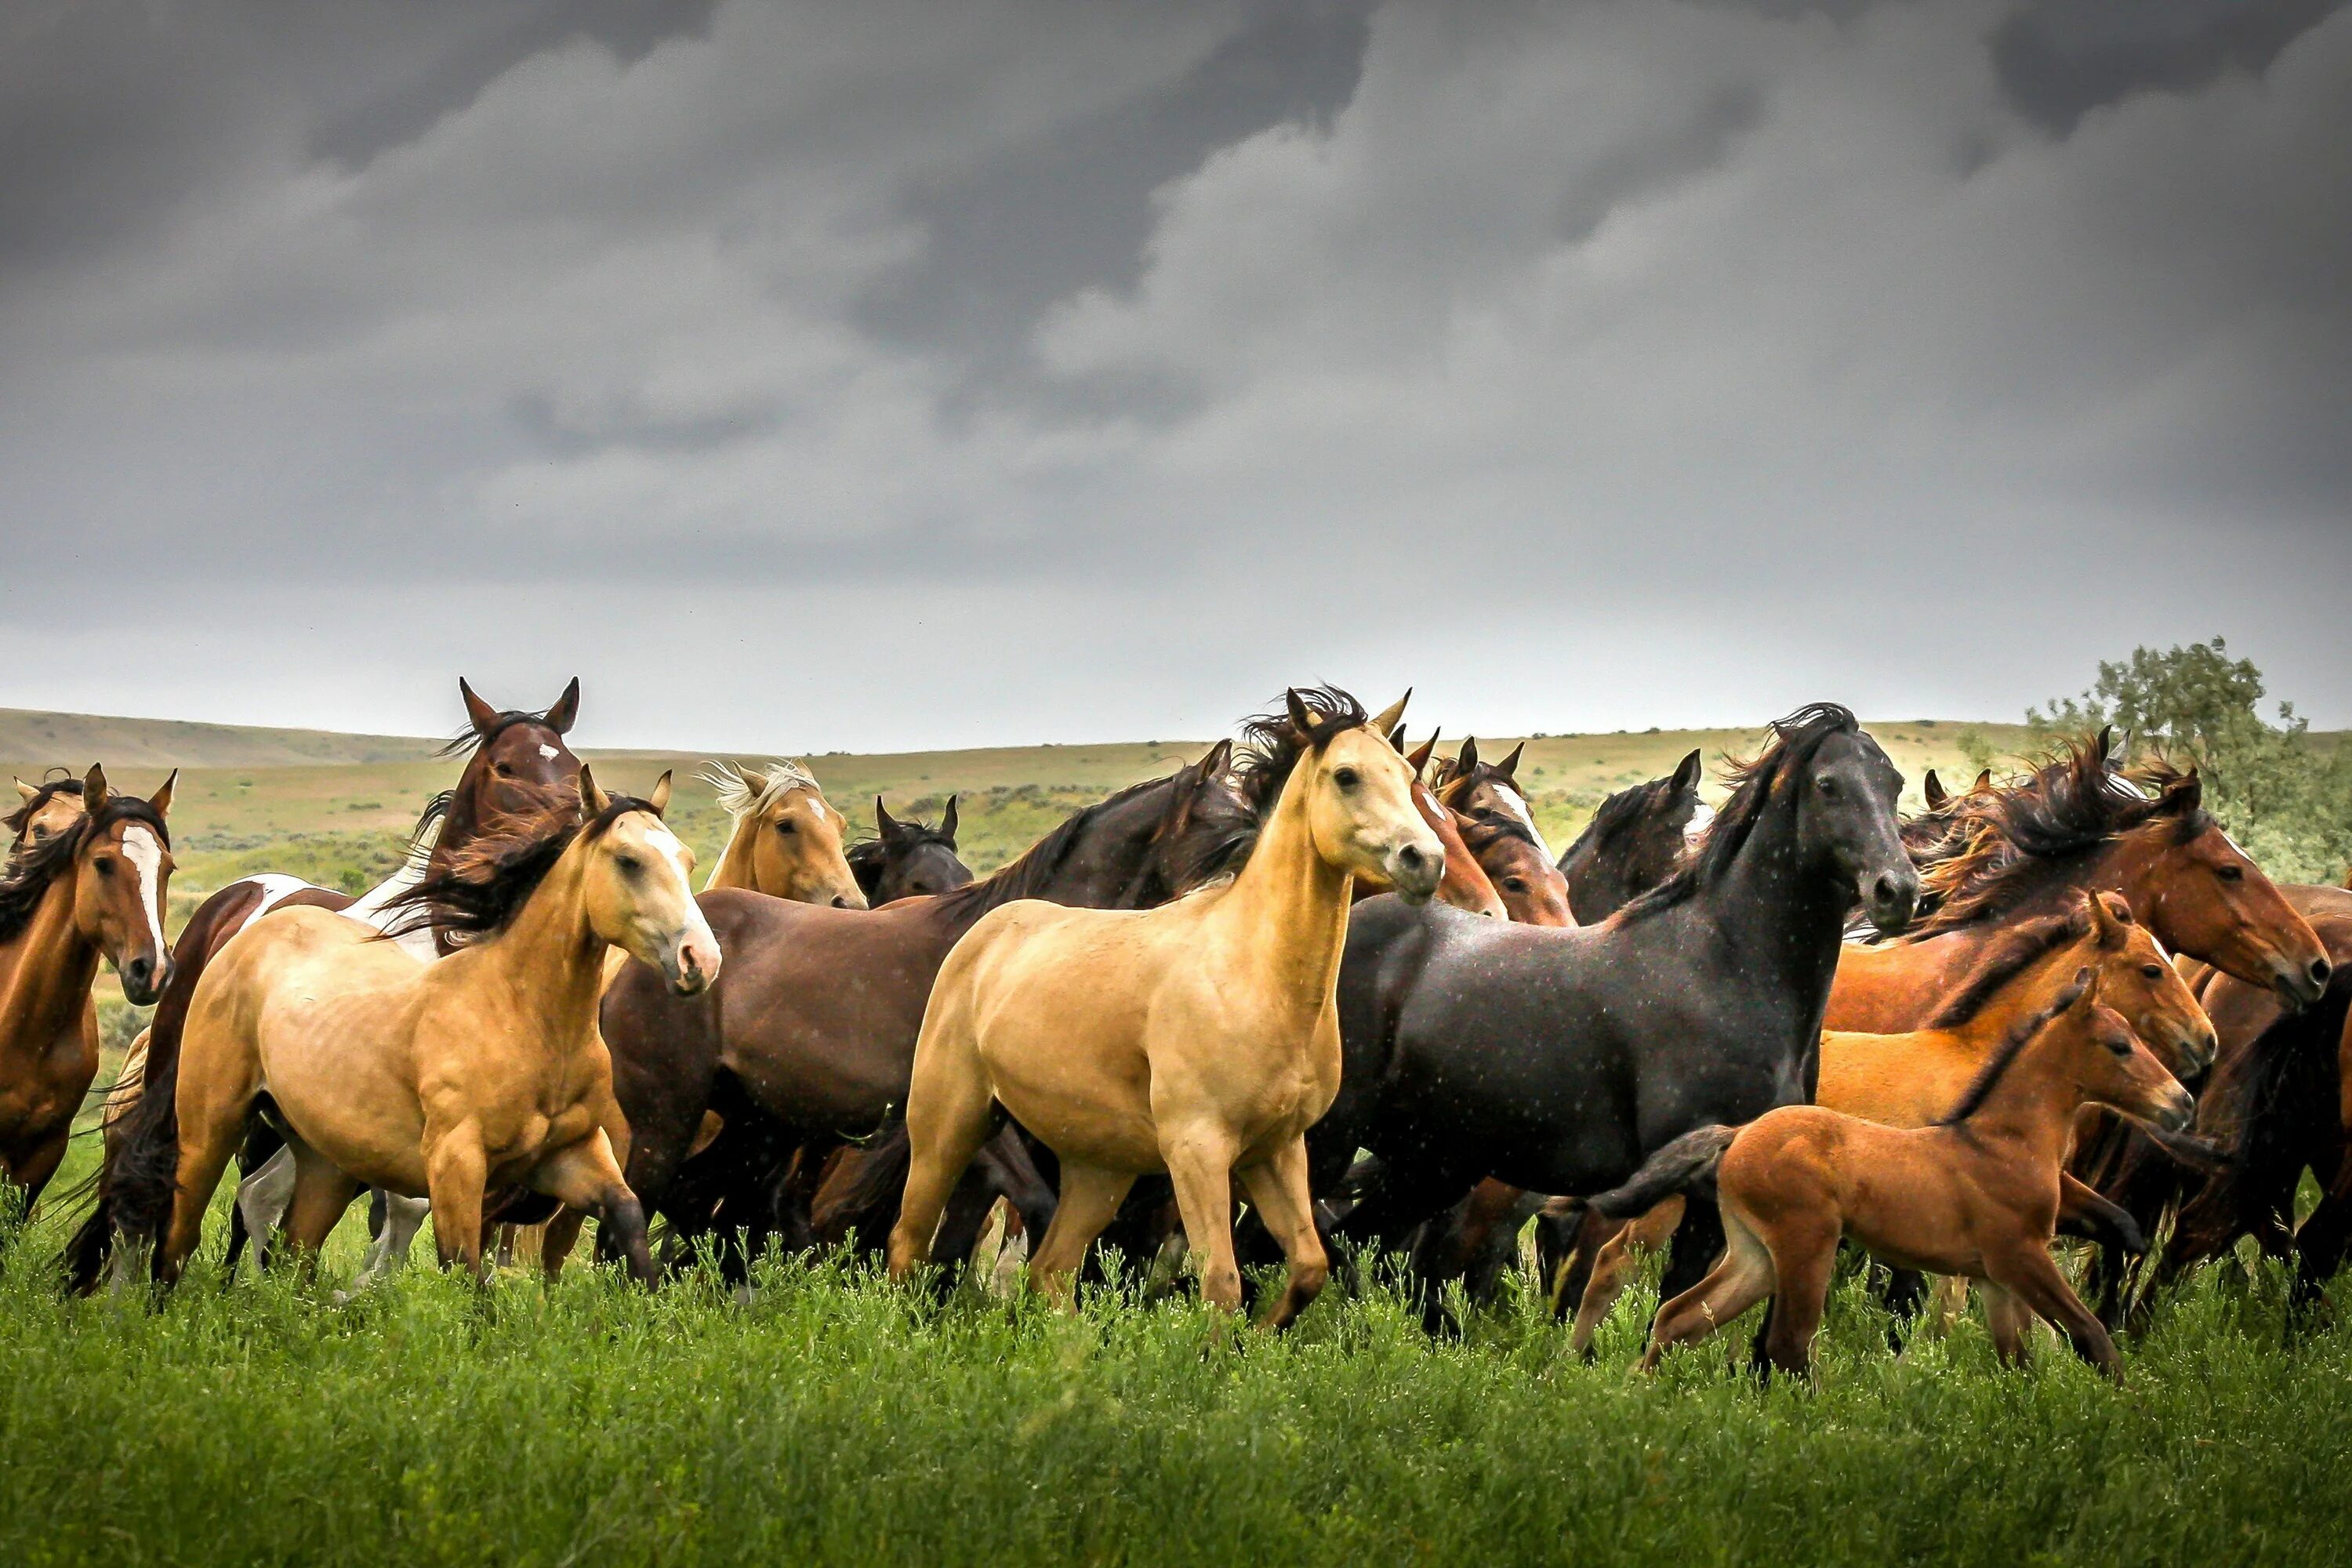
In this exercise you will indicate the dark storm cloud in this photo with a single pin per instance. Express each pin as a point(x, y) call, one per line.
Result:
point(904, 372)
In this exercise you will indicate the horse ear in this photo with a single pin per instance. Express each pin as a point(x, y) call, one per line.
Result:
point(1687, 772)
point(2183, 797)
point(1390, 717)
point(567, 709)
point(1419, 756)
point(478, 713)
point(1509, 766)
point(1933, 789)
point(1300, 718)
point(2104, 924)
point(592, 797)
point(948, 823)
point(93, 788)
point(2104, 746)
point(1466, 761)
point(162, 799)
point(659, 799)
point(25, 791)
point(883, 822)
point(1396, 738)
point(1984, 780)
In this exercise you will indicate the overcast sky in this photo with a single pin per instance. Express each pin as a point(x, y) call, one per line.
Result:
point(907, 374)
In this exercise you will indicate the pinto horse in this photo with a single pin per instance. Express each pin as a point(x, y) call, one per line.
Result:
point(1633, 842)
point(515, 757)
point(908, 859)
point(92, 891)
point(783, 1034)
point(786, 838)
point(444, 1078)
point(2072, 825)
point(1200, 1038)
point(1557, 1060)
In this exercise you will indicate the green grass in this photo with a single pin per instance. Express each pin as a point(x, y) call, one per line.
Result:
point(835, 1419)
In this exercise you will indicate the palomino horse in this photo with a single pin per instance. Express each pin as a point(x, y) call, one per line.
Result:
point(1201, 1038)
point(516, 757)
point(1975, 1194)
point(1633, 842)
point(43, 811)
point(2076, 825)
point(1559, 1060)
point(1912, 1080)
point(445, 1078)
point(93, 890)
point(783, 1034)
point(908, 859)
point(786, 841)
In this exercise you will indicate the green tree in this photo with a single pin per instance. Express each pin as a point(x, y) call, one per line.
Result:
point(2287, 798)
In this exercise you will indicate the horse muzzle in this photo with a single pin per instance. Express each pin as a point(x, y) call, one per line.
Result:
point(2174, 1108)
point(144, 980)
point(693, 963)
point(2301, 985)
point(1890, 897)
point(1414, 870)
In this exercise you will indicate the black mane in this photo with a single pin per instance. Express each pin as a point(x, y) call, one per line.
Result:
point(27, 882)
point(486, 884)
point(1997, 1066)
point(17, 820)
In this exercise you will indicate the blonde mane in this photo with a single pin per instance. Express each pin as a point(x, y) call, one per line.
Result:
point(745, 791)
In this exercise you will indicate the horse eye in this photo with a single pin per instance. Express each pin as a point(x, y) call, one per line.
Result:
point(1829, 785)
point(2120, 1043)
point(788, 826)
point(2153, 971)
point(629, 864)
point(1346, 778)
point(2233, 873)
point(105, 867)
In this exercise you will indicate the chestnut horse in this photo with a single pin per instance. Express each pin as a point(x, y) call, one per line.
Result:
point(1975, 1193)
point(1201, 1038)
point(93, 890)
point(2074, 825)
point(786, 838)
point(515, 757)
point(443, 1078)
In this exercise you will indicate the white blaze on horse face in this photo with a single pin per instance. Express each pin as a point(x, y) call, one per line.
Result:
point(549, 752)
point(668, 845)
point(1518, 805)
point(146, 857)
point(1702, 817)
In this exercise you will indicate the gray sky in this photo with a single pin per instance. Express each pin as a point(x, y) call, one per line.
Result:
point(903, 375)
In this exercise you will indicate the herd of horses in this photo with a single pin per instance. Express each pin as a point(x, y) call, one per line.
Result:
point(1315, 987)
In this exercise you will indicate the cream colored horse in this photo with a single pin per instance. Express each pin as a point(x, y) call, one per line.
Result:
point(786, 841)
point(1201, 1038)
point(482, 1070)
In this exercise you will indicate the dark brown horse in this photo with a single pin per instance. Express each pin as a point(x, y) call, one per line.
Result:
point(93, 892)
point(906, 858)
point(1633, 842)
point(829, 1060)
point(515, 757)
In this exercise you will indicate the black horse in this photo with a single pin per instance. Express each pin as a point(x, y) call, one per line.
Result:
point(1557, 1060)
point(1633, 844)
point(908, 859)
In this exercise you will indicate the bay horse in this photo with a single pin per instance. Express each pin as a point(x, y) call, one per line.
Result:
point(786, 838)
point(1200, 1038)
point(445, 1078)
point(906, 858)
point(92, 891)
point(43, 811)
point(2074, 825)
point(514, 757)
point(1911, 1079)
point(1633, 842)
point(782, 1031)
point(1975, 1193)
point(1465, 885)
point(1557, 1060)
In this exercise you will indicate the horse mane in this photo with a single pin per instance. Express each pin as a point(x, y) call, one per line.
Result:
point(1029, 875)
point(742, 792)
point(1997, 1066)
point(1480, 832)
point(1617, 812)
point(16, 821)
point(27, 882)
point(868, 854)
point(486, 884)
point(1791, 746)
point(2011, 839)
point(2017, 949)
point(464, 739)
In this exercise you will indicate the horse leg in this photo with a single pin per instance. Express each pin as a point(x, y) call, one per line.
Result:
point(562, 1234)
point(950, 1112)
point(585, 1175)
point(318, 1195)
point(456, 1171)
point(261, 1201)
point(1699, 1240)
point(1090, 1196)
point(1278, 1187)
point(211, 1108)
point(1743, 1276)
point(2322, 1242)
point(2008, 1320)
point(1804, 1263)
point(2027, 1271)
point(1201, 1164)
point(1612, 1269)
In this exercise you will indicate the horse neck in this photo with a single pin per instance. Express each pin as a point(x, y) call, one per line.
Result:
point(2030, 1111)
point(1292, 903)
point(734, 868)
point(2027, 992)
point(49, 969)
point(1786, 920)
point(548, 958)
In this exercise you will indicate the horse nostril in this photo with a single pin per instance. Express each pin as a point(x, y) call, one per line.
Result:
point(840, 901)
point(1408, 857)
point(1888, 889)
point(2320, 972)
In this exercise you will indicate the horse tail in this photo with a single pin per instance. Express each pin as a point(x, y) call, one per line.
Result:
point(1687, 1164)
point(862, 1191)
